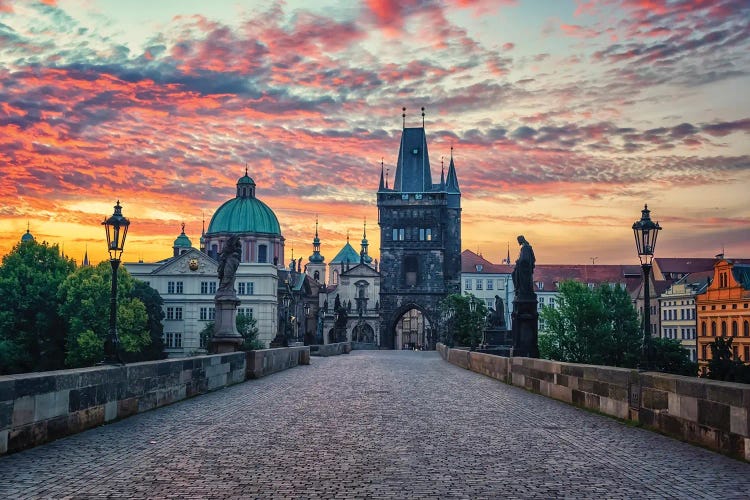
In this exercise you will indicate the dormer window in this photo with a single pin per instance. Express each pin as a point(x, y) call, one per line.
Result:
point(479, 268)
point(540, 285)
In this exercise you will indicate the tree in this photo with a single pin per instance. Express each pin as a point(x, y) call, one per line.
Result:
point(85, 300)
point(723, 365)
point(578, 329)
point(624, 325)
point(246, 326)
point(32, 332)
point(668, 355)
point(463, 326)
point(155, 314)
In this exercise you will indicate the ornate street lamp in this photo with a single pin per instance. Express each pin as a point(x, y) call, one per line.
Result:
point(117, 229)
point(646, 231)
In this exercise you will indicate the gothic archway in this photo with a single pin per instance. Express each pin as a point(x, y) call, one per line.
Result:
point(411, 330)
point(363, 333)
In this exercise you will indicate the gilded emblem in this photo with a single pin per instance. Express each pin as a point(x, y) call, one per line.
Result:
point(193, 265)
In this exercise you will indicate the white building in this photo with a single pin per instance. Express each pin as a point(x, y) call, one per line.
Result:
point(485, 280)
point(187, 281)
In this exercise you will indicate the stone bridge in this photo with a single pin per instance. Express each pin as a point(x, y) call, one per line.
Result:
point(384, 424)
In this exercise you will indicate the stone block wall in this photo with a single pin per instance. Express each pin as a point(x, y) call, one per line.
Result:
point(268, 361)
point(39, 407)
point(705, 412)
point(331, 349)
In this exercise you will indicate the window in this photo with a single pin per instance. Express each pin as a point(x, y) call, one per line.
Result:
point(747, 353)
point(241, 288)
point(174, 313)
point(723, 328)
point(479, 284)
point(207, 313)
point(703, 351)
point(170, 287)
point(540, 285)
point(262, 254)
point(713, 328)
point(173, 340)
point(411, 268)
point(467, 284)
point(552, 302)
point(746, 329)
point(735, 329)
point(246, 288)
point(398, 234)
point(703, 328)
point(174, 287)
point(489, 284)
point(208, 287)
point(247, 311)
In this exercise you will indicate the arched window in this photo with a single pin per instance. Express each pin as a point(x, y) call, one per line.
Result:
point(713, 328)
point(723, 328)
point(703, 329)
point(316, 275)
point(262, 254)
point(746, 329)
point(335, 277)
point(734, 329)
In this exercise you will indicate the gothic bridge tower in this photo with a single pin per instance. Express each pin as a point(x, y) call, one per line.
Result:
point(420, 245)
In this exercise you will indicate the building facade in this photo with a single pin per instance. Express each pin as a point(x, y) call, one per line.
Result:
point(723, 310)
point(420, 245)
point(678, 312)
point(485, 280)
point(187, 281)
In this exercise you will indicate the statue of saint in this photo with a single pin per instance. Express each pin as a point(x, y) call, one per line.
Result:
point(523, 273)
point(229, 261)
point(497, 320)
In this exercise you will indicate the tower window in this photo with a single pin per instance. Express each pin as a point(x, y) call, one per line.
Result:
point(411, 270)
point(262, 254)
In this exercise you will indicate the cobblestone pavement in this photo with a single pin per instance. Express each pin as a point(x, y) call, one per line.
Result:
point(371, 424)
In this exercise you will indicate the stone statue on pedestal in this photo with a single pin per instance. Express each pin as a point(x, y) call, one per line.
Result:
point(525, 314)
point(226, 338)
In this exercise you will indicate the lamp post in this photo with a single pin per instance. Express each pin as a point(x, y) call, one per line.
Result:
point(472, 310)
point(646, 231)
point(303, 333)
point(117, 229)
point(286, 299)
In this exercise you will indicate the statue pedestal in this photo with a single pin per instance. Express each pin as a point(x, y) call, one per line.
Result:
point(525, 326)
point(226, 338)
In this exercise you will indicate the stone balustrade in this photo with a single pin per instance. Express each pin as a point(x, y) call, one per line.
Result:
point(331, 349)
point(43, 406)
point(710, 413)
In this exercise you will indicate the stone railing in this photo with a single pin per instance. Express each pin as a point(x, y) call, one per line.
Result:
point(706, 412)
point(43, 406)
point(331, 349)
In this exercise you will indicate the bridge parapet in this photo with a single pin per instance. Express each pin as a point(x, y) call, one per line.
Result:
point(710, 413)
point(331, 349)
point(43, 406)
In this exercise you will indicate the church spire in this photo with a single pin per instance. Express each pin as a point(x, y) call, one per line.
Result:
point(364, 258)
point(452, 181)
point(316, 258)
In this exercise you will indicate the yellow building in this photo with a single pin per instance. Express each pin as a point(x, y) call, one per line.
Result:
point(724, 309)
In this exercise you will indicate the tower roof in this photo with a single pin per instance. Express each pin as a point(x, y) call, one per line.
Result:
point(413, 166)
point(182, 241)
point(346, 254)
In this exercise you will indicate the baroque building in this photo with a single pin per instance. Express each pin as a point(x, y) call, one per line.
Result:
point(187, 281)
point(420, 245)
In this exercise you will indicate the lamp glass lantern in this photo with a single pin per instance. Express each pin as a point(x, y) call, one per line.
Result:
point(117, 230)
point(645, 232)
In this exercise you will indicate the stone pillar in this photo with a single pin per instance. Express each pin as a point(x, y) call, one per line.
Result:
point(525, 326)
point(226, 338)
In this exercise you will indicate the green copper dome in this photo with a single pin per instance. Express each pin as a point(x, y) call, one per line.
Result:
point(245, 213)
point(182, 241)
point(27, 236)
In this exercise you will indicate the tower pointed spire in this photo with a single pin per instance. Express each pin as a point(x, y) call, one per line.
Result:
point(442, 172)
point(422, 116)
point(316, 258)
point(382, 177)
point(452, 180)
point(364, 257)
point(403, 117)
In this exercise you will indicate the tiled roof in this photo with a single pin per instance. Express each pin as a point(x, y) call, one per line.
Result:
point(470, 261)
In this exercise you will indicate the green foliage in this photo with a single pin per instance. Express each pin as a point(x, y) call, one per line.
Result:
point(155, 314)
point(598, 326)
point(246, 326)
point(462, 326)
point(85, 300)
point(723, 365)
point(668, 355)
point(32, 332)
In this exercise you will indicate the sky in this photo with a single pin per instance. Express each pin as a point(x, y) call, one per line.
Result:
point(565, 118)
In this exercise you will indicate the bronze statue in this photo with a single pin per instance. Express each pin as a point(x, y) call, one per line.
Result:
point(229, 261)
point(523, 273)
